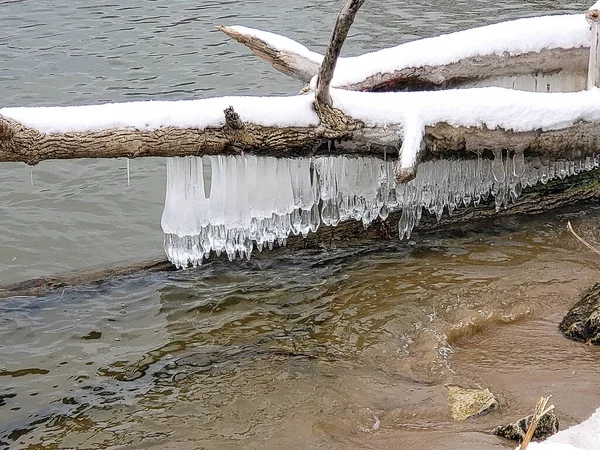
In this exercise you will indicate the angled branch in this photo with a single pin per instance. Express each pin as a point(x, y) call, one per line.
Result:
point(342, 26)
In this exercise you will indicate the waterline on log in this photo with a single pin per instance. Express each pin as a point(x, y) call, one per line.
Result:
point(232, 204)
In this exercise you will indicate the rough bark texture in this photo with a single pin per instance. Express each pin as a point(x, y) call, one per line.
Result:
point(446, 141)
point(536, 200)
point(471, 71)
point(21, 144)
point(340, 32)
point(463, 73)
point(338, 134)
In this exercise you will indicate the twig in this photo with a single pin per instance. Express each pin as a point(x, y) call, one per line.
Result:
point(583, 241)
point(540, 411)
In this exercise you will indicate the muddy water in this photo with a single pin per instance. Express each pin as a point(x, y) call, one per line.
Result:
point(339, 348)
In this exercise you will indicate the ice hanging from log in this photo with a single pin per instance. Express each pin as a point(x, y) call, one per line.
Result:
point(233, 204)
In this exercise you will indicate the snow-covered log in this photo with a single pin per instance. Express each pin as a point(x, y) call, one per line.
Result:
point(422, 125)
point(547, 54)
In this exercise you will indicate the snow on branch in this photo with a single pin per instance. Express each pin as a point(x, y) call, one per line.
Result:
point(538, 44)
point(420, 123)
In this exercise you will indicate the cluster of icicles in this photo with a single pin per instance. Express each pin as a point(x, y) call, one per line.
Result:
point(232, 204)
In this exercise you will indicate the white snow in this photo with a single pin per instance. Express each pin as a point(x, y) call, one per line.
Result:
point(281, 43)
point(491, 107)
point(585, 436)
point(412, 111)
point(595, 6)
point(513, 37)
point(151, 115)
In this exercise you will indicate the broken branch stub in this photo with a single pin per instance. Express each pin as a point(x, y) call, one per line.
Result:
point(340, 32)
point(593, 18)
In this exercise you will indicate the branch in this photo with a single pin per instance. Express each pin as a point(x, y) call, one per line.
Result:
point(295, 60)
point(580, 239)
point(342, 26)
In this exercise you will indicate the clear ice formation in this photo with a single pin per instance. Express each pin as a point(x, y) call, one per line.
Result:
point(231, 204)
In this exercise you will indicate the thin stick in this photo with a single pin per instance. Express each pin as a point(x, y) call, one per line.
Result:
point(540, 411)
point(580, 239)
point(340, 31)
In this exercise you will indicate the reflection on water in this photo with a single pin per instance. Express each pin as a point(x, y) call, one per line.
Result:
point(320, 349)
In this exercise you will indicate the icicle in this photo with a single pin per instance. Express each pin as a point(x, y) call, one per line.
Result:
point(227, 204)
point(128, 178)
point(498, 167)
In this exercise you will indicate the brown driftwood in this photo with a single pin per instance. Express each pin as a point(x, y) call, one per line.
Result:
point(340, 135)
point(536, 200)
point(466, 72)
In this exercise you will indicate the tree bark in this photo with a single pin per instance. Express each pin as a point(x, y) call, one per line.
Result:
point(340, 32)
point(338, 134)
point(295, 65)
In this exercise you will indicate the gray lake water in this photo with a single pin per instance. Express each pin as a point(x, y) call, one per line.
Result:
point(329, 349)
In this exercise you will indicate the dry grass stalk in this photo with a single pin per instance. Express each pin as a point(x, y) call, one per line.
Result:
point(540, 411)
point(583, 241)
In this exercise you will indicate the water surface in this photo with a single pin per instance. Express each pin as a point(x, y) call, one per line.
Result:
point(336, 348)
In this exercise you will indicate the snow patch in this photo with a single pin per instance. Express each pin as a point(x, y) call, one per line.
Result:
point(490, 107)
point(151, 115)
point(279, 42)
point(514, 37)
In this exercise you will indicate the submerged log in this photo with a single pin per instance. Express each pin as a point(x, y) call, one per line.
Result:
point(536, 200)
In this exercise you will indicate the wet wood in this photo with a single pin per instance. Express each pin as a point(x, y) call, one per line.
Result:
point(90, 277)
point(465, 72)
point(536, 200)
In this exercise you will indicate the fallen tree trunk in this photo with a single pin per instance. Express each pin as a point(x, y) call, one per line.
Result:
point(336, 133)
point(536, 200)
point(436, 63)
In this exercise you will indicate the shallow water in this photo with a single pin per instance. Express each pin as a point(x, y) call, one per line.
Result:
point(337, 348)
